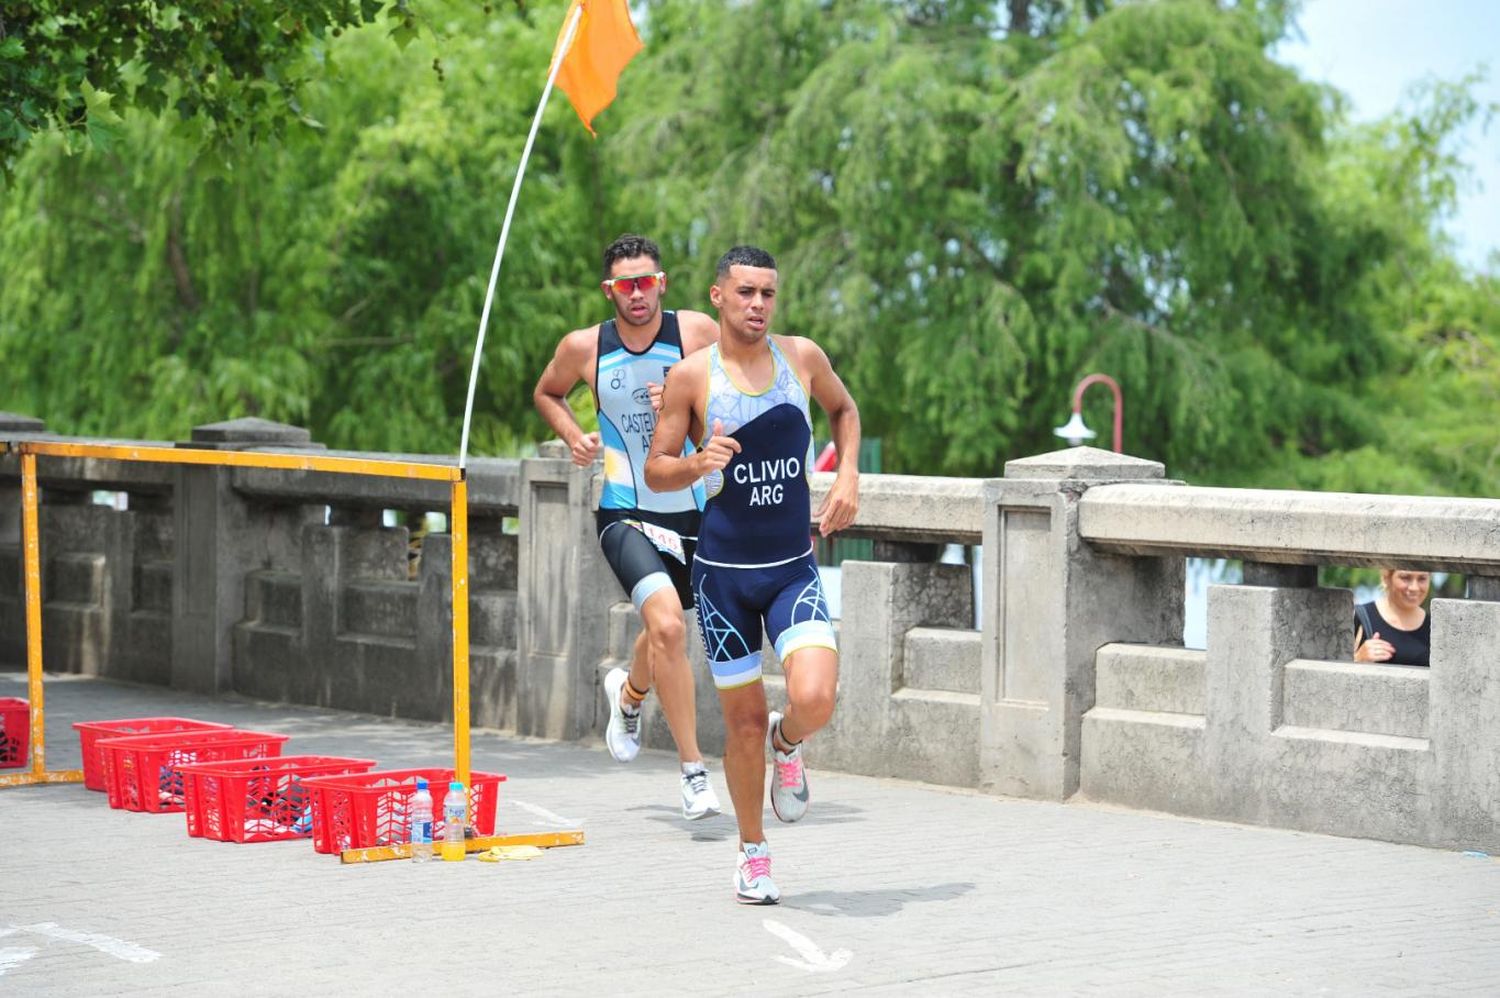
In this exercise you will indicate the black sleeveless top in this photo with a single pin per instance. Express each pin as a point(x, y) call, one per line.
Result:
point(1411, 647)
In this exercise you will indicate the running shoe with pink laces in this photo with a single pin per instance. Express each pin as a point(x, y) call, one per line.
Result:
point(752, 876)
point(788, 778)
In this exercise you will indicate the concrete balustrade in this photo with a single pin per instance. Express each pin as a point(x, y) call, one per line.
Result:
point(1274, 724)
point(287, 586)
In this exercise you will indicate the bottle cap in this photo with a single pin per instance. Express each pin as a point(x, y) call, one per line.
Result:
point(421, 783)
point(455, 785)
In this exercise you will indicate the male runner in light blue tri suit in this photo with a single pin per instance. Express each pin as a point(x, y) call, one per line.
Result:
point(647, 536)
point(754, 576)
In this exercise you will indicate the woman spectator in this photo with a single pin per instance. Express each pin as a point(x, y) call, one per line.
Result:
point(1393, 628)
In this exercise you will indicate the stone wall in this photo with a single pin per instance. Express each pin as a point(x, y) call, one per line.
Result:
point(287, 586)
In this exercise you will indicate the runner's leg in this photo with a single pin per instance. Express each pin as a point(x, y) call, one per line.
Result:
point(666, 667)
point(812, 679)
point(745, 756)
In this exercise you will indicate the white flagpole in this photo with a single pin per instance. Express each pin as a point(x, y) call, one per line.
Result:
point(510, 209)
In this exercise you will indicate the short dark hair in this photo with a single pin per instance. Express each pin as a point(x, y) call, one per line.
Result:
point(745, 256)
point(628, 247)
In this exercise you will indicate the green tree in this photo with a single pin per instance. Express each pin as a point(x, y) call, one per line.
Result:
point(973, 203)
point(975, 206)
point(228, 71)
point(333, 279)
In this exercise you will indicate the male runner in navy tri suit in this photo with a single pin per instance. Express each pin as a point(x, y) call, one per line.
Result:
point(647, 536)
point(754, 576)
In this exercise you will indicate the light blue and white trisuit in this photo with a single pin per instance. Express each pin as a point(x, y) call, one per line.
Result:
point(754, 573)
point(636, 524)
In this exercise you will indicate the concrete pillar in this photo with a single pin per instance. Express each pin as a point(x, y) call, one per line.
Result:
point(1464, 721)
point(565, 589)
point(218, 538)
point(1049, 603)
point(1253, 632)
point(875, 730)
point(13, 426)
point(352, 667)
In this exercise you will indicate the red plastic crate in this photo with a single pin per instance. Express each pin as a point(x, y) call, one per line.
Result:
point(15, 732)
point(374, 809)
point(89, 733)
point(143, 771)
point(257, 800)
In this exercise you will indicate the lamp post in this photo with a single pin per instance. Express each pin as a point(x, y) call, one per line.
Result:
point(1075, 431)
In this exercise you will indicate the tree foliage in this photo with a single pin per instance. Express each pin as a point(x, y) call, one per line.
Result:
point(973, 204)
point(227, 71)
point(332, 280)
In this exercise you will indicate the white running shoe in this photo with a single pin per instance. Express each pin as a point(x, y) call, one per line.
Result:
point(789, 780)
point(698, 798)
point(623, 733)
point(752, 877)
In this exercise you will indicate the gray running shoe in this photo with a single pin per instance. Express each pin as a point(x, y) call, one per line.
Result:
point(698, 798)
point(623, 733)
point(789, 794)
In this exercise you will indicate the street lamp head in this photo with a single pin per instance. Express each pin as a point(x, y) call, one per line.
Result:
point(1074, 431)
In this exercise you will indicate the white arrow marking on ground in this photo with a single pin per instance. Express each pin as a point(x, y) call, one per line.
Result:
point(104, 944)
point(546, 816)
point(12, 957)
point(813, 959)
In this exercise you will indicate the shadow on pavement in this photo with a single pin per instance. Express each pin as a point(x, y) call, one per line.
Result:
point(871, 904)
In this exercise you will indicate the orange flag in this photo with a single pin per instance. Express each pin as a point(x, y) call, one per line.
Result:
point(604, 43)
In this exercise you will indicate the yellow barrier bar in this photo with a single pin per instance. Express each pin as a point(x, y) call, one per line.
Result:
point(542, 840)
point(458, 528)
point(246, 459)
point(33, 779)
point(32, 558)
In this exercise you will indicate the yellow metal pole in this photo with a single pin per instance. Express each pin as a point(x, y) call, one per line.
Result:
point(247, 459)
point(29, 450)
point(458, 527)
point(33, 571)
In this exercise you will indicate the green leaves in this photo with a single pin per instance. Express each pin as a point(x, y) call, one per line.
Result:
point(332, 280)
point(969, 219)
point(240, 67)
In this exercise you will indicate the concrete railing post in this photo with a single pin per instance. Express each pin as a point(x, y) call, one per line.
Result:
point(1464, 721)
point(1253, 632)
point(564, 588)
point(1049, 602)
point(12, 602)
point(875, 730)
point(219, 537)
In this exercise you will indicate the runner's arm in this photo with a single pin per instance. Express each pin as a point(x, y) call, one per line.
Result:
point(841, 505)
point(667, 469)
point(562, 373)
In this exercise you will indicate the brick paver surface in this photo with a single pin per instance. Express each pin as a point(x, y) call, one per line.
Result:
point(889, 888)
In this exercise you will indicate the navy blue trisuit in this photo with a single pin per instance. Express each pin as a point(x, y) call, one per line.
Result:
point(754, 574)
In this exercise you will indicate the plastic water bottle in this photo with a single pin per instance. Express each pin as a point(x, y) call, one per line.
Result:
point(421, 823)
point(455, 811)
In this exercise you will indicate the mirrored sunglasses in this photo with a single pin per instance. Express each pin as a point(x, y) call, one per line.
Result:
point(627, 284)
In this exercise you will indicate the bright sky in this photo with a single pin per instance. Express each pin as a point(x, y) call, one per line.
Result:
point(1373, 50)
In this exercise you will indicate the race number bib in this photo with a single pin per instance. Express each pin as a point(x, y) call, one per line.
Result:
point(666, 541)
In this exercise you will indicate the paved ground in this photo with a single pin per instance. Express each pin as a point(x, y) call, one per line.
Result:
point(889, 888)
